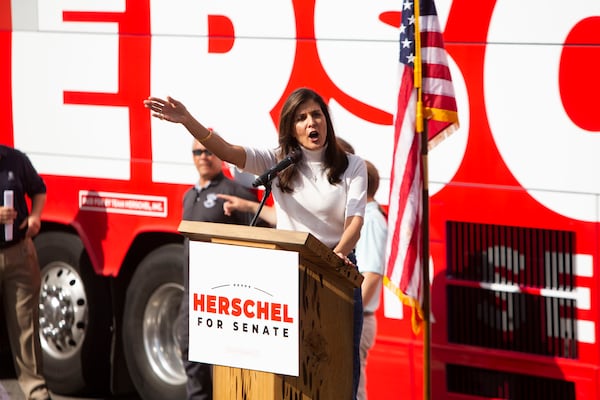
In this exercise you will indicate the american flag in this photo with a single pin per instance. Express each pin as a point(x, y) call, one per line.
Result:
point(403, 273)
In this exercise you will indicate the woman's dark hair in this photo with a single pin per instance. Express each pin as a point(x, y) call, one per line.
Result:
point(335, 161)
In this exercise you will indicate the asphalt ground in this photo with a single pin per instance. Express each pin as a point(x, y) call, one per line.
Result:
point(11, 390)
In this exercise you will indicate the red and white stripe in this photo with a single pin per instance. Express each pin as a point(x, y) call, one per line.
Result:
point(403, 273)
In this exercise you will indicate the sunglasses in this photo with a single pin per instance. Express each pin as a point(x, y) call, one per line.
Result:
point(199, 152)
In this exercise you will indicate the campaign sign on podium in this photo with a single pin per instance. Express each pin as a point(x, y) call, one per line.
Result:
point(243, 307)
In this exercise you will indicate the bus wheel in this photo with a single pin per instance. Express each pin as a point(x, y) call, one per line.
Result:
point(150, 335)
point(74, 316)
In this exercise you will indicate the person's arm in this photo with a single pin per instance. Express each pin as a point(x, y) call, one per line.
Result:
point(174, 111)
point(235, 203)
point(349, 237)
point(369, 285)
point(356, 201)
point(34, 221)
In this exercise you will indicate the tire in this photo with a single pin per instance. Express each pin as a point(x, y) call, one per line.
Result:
point(75, 318)
point(150, 324)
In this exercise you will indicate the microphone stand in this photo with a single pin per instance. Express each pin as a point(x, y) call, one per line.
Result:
point(262, 202)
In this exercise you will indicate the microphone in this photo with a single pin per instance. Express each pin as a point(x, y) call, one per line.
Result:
point(268, 176)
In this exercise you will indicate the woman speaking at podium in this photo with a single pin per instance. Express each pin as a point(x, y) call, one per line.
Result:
point(321, 188)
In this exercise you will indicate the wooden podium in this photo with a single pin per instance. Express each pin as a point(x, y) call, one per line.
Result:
point(325, 318)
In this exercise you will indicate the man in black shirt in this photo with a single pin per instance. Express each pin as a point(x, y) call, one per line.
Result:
point(19, 268)
point(200, 203)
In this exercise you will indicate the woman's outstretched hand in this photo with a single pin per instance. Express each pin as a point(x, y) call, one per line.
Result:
point(169, 110)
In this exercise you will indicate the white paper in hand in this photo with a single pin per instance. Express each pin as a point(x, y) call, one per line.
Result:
point(8, 202)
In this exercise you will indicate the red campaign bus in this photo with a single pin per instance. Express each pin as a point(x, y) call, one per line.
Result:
point(514, 225)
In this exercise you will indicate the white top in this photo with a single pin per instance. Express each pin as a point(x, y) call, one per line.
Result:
point(315, 206)
point(370, 249)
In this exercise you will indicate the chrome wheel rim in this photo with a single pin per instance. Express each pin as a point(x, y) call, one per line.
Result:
point(63, 310)
point(161, 333)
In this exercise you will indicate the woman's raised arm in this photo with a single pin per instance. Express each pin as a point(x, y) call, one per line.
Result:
point(174, 111)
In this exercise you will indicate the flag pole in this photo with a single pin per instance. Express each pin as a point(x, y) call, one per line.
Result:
point(425, 268)
point(421, 129)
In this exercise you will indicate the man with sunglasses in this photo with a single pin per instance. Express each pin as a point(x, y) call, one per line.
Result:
point(200, 203)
